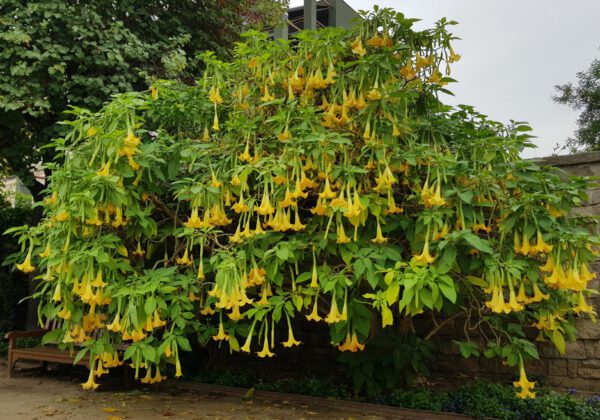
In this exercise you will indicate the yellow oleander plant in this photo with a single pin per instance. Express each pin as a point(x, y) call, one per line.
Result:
point(321, 179)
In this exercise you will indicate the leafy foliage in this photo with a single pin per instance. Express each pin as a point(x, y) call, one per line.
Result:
point(13, 283)
point(390, 359)
point(324, 180)
point(56, 53)
point(480, 399)
point(584, 97)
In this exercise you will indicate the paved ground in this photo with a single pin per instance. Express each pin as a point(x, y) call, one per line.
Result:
point(40, 396)
point(35, 395)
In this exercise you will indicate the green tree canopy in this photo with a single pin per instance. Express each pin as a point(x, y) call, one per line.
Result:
point(60, 53)
point(584, 97)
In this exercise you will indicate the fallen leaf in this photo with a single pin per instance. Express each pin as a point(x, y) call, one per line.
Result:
point(109, 409)
point(114, 418)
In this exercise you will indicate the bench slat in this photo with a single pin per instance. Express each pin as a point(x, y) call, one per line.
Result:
point(47, 354)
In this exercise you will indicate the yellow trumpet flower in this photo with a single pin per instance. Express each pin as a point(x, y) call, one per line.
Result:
point(47, 251)
point(549, 266)
point(379, 239)
point(314, 281)
point(320, 209)
point(423, 62)
point(314, 315)
point(221, 335)
point(341, 234)
point(512, 304)
point(542, 247)
point(408, 72)
point(64, 313)
point(56, 296)
point(584, 273)
point(215, 125)
point(105, 170)
point(351, 343)
point(156, 321)
point(582, 306)
point(185, 259)
point(158, 378)
point(538, 296)
point(138, 335)
point(26, 266)
point(334, 313)
point(521, 296)
point(215, 96)
point(357, 47)
point(327, 192)
point(214, 181)
point(265, 352)
point(91, 383)
point(524, 384)
point(291, 341)
point(178, 373)
point(115, 326)
point(266, 95)
point(425, 257)
point(240, 206)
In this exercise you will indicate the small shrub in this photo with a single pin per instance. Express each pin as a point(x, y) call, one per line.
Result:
point(389, 360)
point(421, 399)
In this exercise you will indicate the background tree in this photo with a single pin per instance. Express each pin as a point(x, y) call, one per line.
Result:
point(56, 53)
point(584, 97)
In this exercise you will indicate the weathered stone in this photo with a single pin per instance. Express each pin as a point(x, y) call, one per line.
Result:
point(489, 366)
point(593, 196)
point(557, 367)
point(537, 367)
point(587, 330)
point(575, 350)
point(458, 365)
point(589, 369)
point(591, 210)
point(547, 349)
point(572, 368)
point(582, 384)
point(590, 348)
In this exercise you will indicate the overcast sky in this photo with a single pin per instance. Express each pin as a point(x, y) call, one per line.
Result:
point(513, 53)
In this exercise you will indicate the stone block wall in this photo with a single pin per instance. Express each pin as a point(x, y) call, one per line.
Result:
point(580, 367)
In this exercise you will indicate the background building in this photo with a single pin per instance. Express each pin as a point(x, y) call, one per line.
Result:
point(314, 15)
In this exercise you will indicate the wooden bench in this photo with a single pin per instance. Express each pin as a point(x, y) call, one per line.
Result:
point(44, 354)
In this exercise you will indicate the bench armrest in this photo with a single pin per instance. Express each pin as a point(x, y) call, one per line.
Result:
point(21, 334)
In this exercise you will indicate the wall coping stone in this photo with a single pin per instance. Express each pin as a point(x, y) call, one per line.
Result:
point(569, 160)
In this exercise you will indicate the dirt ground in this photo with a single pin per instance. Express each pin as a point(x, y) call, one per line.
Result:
point(35, 395)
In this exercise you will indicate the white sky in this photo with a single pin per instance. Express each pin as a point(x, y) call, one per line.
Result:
point(513, 53)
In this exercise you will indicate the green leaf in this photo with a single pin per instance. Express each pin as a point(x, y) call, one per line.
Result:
point(559, 341)
point(392, 292)
point(447, 261)
point(467, 349)
point(448, 290)
point(478, 243)
point(150, 305)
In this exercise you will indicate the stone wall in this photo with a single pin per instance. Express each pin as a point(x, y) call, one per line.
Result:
point(580, 367)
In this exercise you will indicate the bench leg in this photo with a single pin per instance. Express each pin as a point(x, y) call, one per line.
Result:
point(44, 367)
point(11, 365)
point(127, 377)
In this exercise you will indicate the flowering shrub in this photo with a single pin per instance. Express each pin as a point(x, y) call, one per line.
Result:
point(322, 179)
